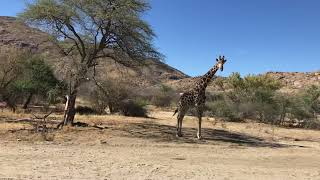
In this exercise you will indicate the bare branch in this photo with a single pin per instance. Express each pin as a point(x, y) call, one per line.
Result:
point(83, 48)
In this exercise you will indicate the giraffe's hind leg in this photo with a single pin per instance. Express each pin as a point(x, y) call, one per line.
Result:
point(180, 117)
point(178, 126)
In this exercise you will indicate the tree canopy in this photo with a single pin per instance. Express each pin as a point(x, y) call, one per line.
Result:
point(96, 28)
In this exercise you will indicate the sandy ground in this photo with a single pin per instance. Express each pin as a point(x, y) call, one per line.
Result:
point(139, 148)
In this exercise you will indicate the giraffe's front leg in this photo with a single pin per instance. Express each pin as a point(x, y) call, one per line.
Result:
point(178, 132)
point(199, 136)
point(199, 111)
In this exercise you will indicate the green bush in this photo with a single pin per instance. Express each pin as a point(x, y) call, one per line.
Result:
point(37, 79)
point(251, 97)
point(303, 108)
point(258, 98)
point(24, 75)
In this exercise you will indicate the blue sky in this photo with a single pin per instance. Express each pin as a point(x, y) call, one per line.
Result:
point(255, 36)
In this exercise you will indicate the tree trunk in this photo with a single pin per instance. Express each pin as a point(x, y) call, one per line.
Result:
point(111, 109)
point(282, 116)
point(70, 110)
point(25, 106)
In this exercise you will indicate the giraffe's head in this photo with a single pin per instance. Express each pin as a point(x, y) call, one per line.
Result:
point(220, 62)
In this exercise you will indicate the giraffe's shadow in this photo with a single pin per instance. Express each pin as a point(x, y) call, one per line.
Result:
point(165, 133)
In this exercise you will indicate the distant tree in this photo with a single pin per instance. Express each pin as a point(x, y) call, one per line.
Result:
point(23, 75)
point(94, 29)
point(312, 98)
point(10, 69)
point(37, 78)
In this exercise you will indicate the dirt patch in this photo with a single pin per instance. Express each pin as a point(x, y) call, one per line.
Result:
point(140, 148)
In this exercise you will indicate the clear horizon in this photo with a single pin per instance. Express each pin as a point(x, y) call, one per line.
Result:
point(256, 37)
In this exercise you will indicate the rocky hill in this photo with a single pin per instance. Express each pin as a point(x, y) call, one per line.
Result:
point(296, 80)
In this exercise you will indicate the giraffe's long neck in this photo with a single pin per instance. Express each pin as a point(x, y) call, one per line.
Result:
point(206, 78)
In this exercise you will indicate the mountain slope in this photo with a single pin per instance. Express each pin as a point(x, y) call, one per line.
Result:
point(17, 34)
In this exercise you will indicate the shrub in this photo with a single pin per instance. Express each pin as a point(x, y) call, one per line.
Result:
point(133, 108)
point(303, 108)
point(118, 97)
point(109, 94)
point(251, 97)
point(85, 110)
point(222, 109)
point(37, 79)
point(163, 97)
point(313, 123)
point(23, 76)
point(258, 98)
point(10, 69)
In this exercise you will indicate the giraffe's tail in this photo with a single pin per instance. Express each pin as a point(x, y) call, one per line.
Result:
point(175, 112)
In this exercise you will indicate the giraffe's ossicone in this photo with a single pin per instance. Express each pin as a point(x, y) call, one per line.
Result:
point(196, 97)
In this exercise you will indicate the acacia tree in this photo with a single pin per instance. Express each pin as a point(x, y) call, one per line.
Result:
point(94, 30)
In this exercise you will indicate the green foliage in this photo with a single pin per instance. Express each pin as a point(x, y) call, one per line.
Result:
point(25, 75)
point(258, 98)
point(92, 30)
point(311, 97)
point(304, 108)
point(93, 25)
point(252, 88)
point(37, 77)
point(251, 97)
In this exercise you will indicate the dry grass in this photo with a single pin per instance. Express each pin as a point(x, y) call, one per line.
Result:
point(117, 125)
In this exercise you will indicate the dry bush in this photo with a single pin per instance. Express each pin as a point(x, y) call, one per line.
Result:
point(133, 108)
point(10, 69)
point(164, 96)
point(109, 94)
point(85, 110)
point(118, 97)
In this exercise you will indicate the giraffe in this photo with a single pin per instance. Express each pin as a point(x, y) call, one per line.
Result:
point(196, 97)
